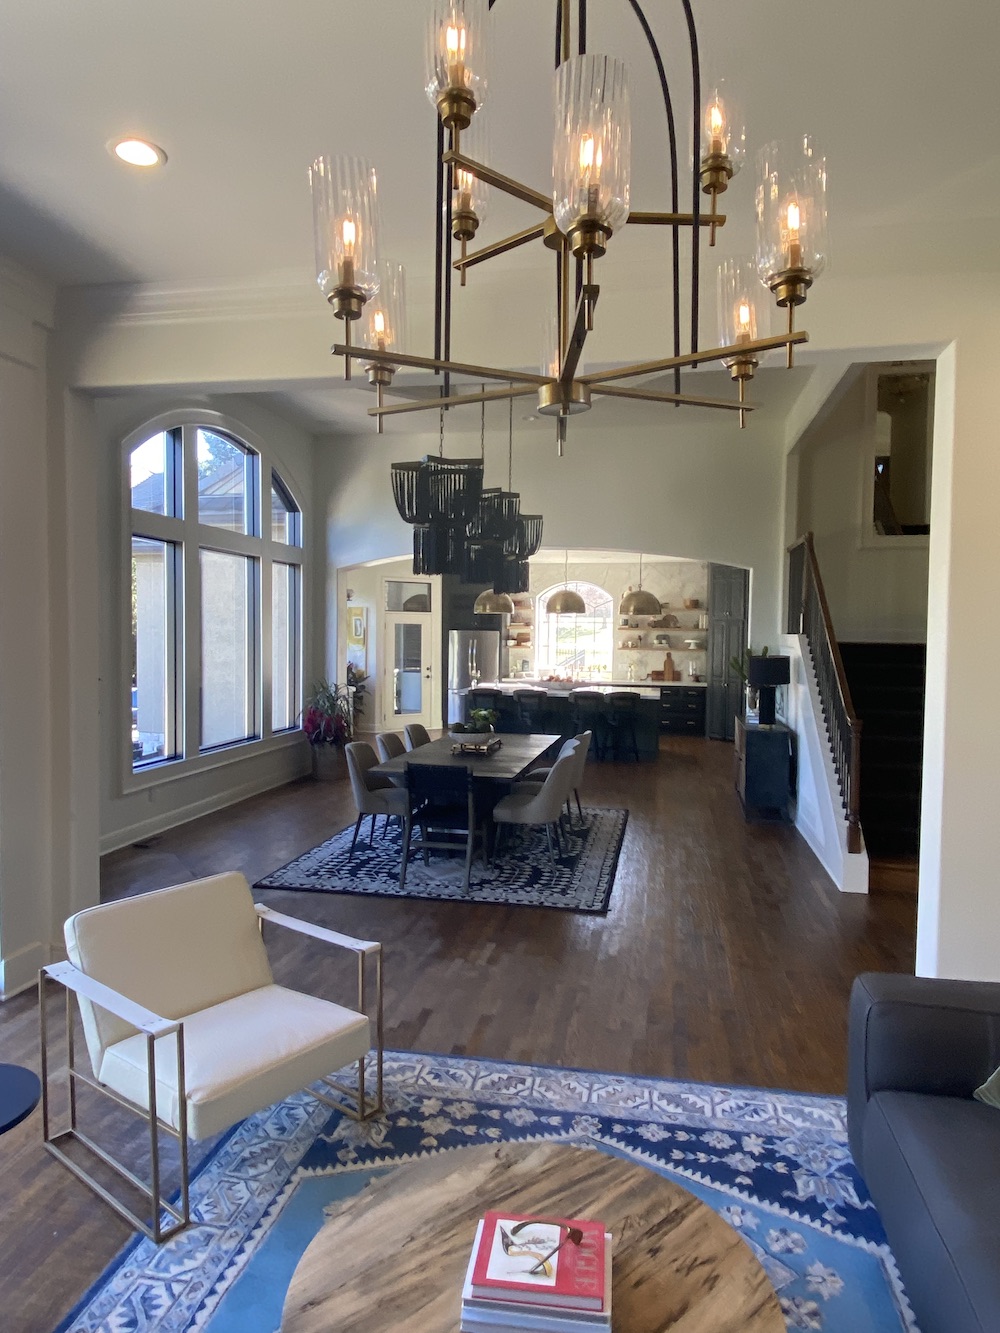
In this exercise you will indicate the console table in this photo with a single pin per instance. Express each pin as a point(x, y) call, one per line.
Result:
point(764, 768)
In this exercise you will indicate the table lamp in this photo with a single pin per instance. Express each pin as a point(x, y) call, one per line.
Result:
point(766, 673)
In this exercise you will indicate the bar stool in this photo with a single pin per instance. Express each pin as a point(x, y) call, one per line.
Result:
point(587, 713)
point(621, 709)
point(531, 705)
point(481, 697)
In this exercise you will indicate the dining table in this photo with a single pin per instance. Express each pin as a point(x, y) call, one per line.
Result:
point(493, 774)
point(504, 765)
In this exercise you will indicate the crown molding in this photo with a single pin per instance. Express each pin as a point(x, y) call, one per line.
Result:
point(27, 293)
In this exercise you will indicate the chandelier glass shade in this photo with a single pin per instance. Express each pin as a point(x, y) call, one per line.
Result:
point(385, 310)
point(740, 297)
point(587, 201)
point(791, 220)
point(345, 227)
point(457, 51)
point(592, 151)
point(723, 132)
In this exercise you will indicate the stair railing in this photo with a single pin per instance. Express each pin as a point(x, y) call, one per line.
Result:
point(809, 615)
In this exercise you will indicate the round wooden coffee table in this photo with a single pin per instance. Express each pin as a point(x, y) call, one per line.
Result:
point(395, 1255)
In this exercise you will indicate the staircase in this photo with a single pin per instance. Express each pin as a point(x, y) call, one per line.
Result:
point(887, 685)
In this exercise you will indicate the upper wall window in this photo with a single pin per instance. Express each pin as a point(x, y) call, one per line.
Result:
point(227, 483)
point(214, 605)
point(152, 474)
point(285, 525)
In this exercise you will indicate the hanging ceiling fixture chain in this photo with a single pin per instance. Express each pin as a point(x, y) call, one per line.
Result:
point(441, 432)
point(510, 442)
point(482, 427)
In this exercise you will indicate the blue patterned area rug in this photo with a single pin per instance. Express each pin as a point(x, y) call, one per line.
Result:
point(775, 1165)
point(523, 876)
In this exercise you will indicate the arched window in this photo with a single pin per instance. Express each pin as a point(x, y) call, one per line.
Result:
point(215, 592)
point(575, 645)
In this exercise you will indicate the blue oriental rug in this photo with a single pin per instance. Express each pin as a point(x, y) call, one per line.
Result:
point(775, 1165)
point(523, 876)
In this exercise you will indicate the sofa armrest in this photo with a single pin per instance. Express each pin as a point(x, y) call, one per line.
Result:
point(918, 1034)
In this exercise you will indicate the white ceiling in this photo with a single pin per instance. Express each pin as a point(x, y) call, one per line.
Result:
point(243, 96)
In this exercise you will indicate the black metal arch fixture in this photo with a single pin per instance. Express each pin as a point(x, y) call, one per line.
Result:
point(565, 392)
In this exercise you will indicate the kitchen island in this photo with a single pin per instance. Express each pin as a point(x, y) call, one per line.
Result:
point(652, 710)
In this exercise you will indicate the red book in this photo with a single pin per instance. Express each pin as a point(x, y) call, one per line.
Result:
point(541, 1261)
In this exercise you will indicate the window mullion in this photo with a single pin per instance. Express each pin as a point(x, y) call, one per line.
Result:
point(191, 620)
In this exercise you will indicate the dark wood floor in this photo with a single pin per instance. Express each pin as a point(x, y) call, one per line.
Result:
point(726, 956)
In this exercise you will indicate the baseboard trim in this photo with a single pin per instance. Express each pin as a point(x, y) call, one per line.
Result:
point(19, 971)
point(148, 828)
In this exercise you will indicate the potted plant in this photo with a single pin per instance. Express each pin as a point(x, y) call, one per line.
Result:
point(326, 722)
point(481, 721)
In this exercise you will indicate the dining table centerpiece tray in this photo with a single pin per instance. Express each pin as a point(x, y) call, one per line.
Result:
point(547, 1274)
point(467, 743)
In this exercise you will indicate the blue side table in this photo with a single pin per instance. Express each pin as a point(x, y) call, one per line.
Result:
point(19, 1094)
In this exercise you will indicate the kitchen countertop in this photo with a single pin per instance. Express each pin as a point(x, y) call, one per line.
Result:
point(647, 689)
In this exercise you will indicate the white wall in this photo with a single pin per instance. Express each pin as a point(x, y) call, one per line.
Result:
point(708, 496)
point(33, 806)
point(877, 589)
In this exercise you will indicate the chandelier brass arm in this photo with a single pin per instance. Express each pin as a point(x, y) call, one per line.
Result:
point(653, 396)
point(675, 220)
point(435, 363)
point(501, 247)
point(695, 358)
point(505, 183)
point(455, 400)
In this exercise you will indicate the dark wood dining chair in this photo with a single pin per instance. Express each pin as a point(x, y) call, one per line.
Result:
point(442, 803)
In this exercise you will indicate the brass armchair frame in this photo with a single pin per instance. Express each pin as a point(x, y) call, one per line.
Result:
point(154, 1027)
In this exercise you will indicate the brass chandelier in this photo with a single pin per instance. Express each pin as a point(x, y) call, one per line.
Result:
point(588, 203)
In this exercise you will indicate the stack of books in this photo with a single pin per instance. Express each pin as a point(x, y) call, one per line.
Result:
point(544, 1274)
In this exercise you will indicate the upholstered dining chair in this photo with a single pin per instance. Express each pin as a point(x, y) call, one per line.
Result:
point(578, 747)
point(390, 745)
point(373, 794)
point(532, 805)
point(185, 1026)
point(416, 735)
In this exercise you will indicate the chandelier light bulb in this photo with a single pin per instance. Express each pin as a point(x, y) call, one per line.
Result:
point(723, 134)
point(744, 321)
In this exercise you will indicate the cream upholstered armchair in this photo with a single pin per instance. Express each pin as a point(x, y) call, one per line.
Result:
point(185, 1025)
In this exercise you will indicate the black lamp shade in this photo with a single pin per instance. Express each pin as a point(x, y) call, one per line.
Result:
point(769, 671)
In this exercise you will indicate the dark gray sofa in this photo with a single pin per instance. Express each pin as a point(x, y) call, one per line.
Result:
point(929, 1153)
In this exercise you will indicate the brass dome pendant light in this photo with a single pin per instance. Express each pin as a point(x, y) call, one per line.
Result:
point(567, 601)
point(639, 602)
point(490, 603)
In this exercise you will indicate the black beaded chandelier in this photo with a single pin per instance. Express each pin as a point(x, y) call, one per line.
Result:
point(460, 526)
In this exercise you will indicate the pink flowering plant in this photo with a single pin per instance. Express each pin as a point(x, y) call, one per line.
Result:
point(326, 717)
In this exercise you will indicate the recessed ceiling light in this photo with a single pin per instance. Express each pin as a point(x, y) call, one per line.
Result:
point(138, 152)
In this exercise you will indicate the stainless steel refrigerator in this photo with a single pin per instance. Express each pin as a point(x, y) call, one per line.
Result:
point(473, 657)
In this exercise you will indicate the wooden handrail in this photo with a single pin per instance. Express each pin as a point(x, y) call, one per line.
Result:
point(843, 725)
